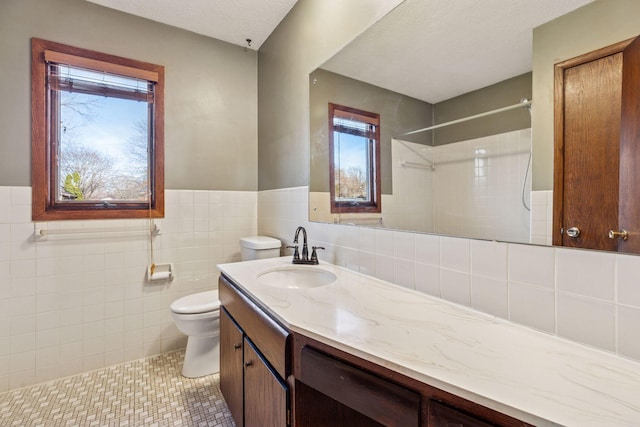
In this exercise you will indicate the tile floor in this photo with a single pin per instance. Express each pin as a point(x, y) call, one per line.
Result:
point(144, 393)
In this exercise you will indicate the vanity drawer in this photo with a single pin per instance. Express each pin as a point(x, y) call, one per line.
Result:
point(271, 338)
point(382, 401)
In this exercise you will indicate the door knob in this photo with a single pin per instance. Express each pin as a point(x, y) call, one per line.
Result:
point(573, 232)
point(622, 234)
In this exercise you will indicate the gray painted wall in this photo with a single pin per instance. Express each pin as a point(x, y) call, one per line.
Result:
point(311, 33)
point(591, 27)
point(503, 94)
point(211, 90)
point(398, 114)
point(307, 38)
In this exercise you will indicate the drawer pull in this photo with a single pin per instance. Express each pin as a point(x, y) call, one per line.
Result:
point(237, 346)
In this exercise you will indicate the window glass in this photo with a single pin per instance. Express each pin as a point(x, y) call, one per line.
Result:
point(352, 173)
point(97, 135)
point(103, 144)
point(355, 150)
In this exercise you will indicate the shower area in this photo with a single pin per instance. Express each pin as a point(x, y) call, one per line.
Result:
point(476, 187)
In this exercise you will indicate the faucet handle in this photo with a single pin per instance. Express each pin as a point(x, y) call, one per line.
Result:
point(314, 255)
point(296, 255)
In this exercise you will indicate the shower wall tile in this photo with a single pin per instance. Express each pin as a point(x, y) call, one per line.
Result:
point(72, 304)
point(541, 217)
point(455, 254)
point(404, 246)
point(586, 273)
point(428, 249)
point(455, 286)
point(427, 279)
point(628, 321)
point(83, 303)
point(532, 306)
point(532, 265)
point(526, 284)
point(489, 259)
point(587, 321)
point(490, 296)
point(627, 268)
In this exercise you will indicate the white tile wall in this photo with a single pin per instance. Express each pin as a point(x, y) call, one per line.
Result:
point(74, 303)
point(463, 195)
point(541, 217)
point(585, 296)
point(69, 305)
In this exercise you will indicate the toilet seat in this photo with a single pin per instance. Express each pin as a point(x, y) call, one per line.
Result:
point(201, 302)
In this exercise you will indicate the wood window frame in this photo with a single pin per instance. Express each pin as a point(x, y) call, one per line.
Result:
point(375, 205)
point(44, 206)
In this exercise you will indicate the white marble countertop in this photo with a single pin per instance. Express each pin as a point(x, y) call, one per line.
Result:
point(532, 376)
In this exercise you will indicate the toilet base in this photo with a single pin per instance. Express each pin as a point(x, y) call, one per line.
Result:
point(202, 357)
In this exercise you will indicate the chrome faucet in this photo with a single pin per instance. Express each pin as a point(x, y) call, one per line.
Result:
point(304, 259)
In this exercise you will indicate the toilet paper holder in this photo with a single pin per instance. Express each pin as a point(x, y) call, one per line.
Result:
point(160, 272)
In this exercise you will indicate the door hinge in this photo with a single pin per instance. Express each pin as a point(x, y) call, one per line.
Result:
point(288, 417)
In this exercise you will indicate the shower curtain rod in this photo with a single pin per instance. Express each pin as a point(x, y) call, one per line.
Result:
point(525, 103)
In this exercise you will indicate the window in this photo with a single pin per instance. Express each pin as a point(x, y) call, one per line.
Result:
point(97, 135)
point(354, 150)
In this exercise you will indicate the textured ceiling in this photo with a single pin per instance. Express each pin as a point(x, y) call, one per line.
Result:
point(429, 49)
point(233, 21)
point(438, 49)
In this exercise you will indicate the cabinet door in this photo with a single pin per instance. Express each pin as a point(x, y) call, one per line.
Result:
point(266, 396)
point(231, 363)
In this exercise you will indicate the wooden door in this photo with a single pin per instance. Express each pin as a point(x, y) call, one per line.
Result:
point(597, 148)
point(266, 396)
point(231, 366)
point(629, 200)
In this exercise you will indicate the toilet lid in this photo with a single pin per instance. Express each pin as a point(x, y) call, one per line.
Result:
point(201, 302)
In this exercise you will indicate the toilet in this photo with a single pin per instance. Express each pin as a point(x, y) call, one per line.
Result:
point(198, 317)
point(259, 247)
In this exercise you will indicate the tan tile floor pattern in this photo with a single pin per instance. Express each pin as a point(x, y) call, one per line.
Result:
point(144, 393)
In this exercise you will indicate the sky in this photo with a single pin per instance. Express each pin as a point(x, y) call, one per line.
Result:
point(351, 150)
point(111, 126)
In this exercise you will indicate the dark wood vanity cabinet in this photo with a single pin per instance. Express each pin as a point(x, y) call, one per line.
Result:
point(254, 361)
point(335, 388)
point(375, 401)
point(232, 365)
point(440, 415)
point(266, 395)
point(271, 377)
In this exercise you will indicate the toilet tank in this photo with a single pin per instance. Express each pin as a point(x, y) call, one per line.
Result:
point(259, 247)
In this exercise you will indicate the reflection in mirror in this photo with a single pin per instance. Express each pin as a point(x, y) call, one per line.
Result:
point(417, 68)
point(354, 160)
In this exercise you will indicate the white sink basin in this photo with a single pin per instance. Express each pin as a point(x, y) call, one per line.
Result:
point(296, 277)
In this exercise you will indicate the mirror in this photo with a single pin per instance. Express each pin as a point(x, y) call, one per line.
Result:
point(433, 62)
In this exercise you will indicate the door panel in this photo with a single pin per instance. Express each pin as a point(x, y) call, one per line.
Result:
point(265, 395)
point(231, 366)
point(597, 149)
point(629, 203)
point(592, 104)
